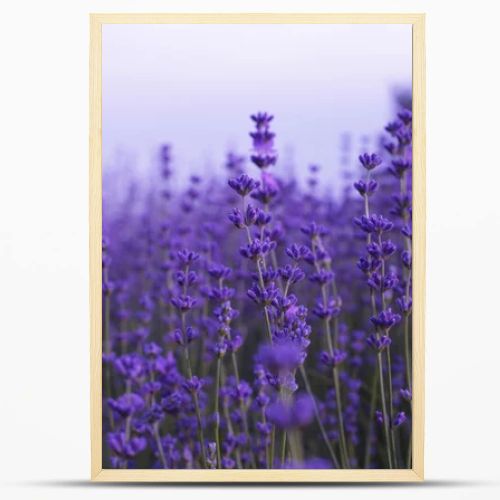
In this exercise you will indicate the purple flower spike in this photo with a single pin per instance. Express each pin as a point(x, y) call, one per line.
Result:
point(407, 231)
point(123, 448)
point(234, 162)
point(291, 274)
point(219, 271)
point(399, 419)
point(333, 360)
point(184, 302)
point(314, 230)
point(220, 348)
point(366, 188)
point(404, 304)
point(185, 278)
point(373, 224)
point(235, 343)
point(405, 116)
point(378, 343)
point(283, 304)
point(369, 265)
point(265, 194)
point(406, 258)
point(258, 248)
point(264, 296)
point(385, 320)
point(193, 384)
point(152, 350)
point(262, 218)
point(127, 404)
point(399, 167)
point(297, 252)
point(165, 160)
point(228, 463)
point(322, 277)
point(405, 394)
point(370, 161)
point(263, 141)
point(262, 120)
point(264, 161)
point(250, 215)
point(393, 127)
point(186, 257)
point(262, 400)
point(236, 217)
point(243, 184)
point(130, 366)
point(178, 337)
point(330, 310)
point(404, 137)
point(108, 287)
point(382, 283)
point(264, 428)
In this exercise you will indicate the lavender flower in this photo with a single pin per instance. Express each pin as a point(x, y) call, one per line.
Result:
point(219, 353)
point(263, 141)
point(370, 161)
point(385, 320)
point(243, 184)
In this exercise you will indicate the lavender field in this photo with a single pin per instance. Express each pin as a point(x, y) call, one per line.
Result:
point(251, 320)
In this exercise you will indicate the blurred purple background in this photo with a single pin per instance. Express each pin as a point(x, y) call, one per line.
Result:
point(330, 87)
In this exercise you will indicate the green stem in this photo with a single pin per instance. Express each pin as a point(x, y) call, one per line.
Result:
point(159, 445)
point(107, 349)
point(391, 406)
point(318, 418)
point(273, 438)
point(406, 331)
point(268, 450)
point(200, 430)
point(343, 442)
point(409, 456)
point(217, 416)
point(243, 411)
point(195, 395)
point(230, 428)
point(373, 402)
point(389, 369)
point(262, 287)
point(283, 448)
point(336, 382)
point(384, 410)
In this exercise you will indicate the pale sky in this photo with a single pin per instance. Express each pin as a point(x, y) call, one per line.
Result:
point(194, 86)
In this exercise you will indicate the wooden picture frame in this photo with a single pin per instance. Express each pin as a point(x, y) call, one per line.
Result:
point(98, 473)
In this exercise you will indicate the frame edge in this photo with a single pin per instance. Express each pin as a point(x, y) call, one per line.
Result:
point(257, 18)
point(98, 474)
point(419, 244)
point(95, 237)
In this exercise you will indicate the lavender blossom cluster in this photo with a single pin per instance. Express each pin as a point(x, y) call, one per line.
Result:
point(250, 322)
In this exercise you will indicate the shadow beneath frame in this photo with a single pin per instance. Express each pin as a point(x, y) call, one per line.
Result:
point(435, 483)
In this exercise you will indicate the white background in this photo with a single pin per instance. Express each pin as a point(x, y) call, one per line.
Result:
point(44, 362)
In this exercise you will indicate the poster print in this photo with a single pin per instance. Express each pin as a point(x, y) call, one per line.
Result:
point(257, 258)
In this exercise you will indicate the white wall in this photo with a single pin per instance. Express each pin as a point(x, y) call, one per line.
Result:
point(44, 417)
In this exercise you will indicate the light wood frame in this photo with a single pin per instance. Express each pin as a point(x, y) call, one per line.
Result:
point(95, 180)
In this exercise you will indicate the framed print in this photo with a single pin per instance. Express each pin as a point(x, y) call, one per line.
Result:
point(257, 247)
